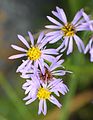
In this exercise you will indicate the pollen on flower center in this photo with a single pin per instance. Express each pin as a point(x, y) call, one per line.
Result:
point(68, 30)
point(34, 53)
point(43, 93)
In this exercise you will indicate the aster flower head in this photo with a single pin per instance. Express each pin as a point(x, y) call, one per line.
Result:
point(66, 30)
point(43, 92)
point(89, 48)
point(35, 53)
point(55, 69)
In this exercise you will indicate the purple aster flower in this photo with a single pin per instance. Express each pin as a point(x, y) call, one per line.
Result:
point(43, 91)
point(66, 30)
point(35, 53)
point(51, 71)
point(89, 48)
point(54, 70)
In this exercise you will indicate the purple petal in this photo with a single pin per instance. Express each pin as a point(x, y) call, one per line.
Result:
point(77, 17)
point(89, 45)
point(53, 33)
point(45, 108)
point(56, 65)
point(54, 21)
point(91, 55)
point(47, 66)
point(57, 62)
point(70, 47)
point(62, 15)
point(22, 65)
point(57, 15)
point(17, 56)
point(86, 49)
point(53, 83)
point(65, 43)
point(40, 37)
point(50, 51)
point(31, 38)
point(36, 63)
point(44, 42)
point(27, 98)
point(48, 58)
point(23, 40)
point(18, 48)
point(91, 26)
point(61, 46)
point(28, 89)
point(59, 72)
point(79, 22)
point(60, 61)
point(55, 92)
point(30, 101)
point(25, 76)
point(53, 27)
point(27, 83)
point(86, 17)
point(36, 81)
point(41, 64)
point(79, 43)
point(58, 57)
point(56, 39)
point(51, 38)
point(27, 67)
point(40, 107)
point(82, 27)
point(55, 101)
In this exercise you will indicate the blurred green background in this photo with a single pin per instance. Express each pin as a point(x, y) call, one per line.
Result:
point(19, 16)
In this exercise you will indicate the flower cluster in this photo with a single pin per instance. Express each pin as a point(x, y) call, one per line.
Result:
point(42, 66)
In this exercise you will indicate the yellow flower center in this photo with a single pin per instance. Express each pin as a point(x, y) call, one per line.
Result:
point(68, 30)
point(34, 53)
point(43, 93)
